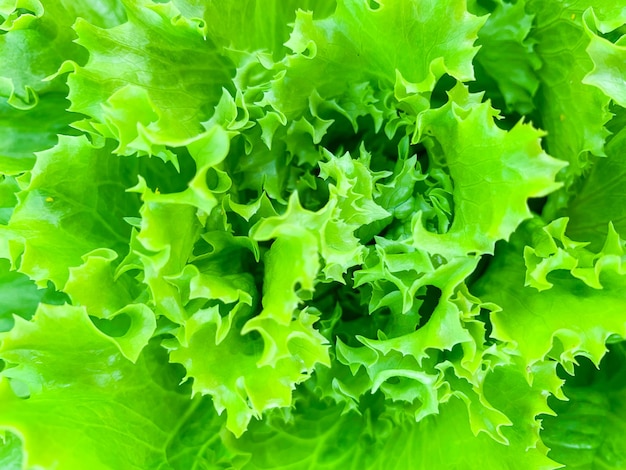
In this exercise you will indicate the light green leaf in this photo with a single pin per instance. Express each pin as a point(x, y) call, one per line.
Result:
point(507, 55)
point(73, 201)
point(85, 399)
point(494, 173)
point(572, 112)
point(38, 39)
point(164, 250)
point(250, 25)
point(587, 430)
point(93, 284)
point(609, 62)
point(102, 13)
point(555, 251)
point(20, 296)
point(282, 278)
point(11, 451)
point(567, 320)
point(249, 387)
point(601, 198)
point(8, 199)
point(334, 227)
point(369, 42)
point(24, 132)
point(110, 301)
point(322, 438)
point(524, 403)
point(159, 62)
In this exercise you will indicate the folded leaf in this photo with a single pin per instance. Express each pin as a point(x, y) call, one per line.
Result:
point(494, 173)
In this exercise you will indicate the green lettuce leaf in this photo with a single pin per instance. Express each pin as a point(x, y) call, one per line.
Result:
point(581, 308)
point(73, 201)
point(587, 430)
point(251, 25)
point(324, 438)
point(24, 132)
point(19, 296)
point(248, 387)
point(571, 111)
point(35, 43)
point(367, 32)
point(600, 198)
point(492, 178)
point(159, 62)
point(507, 56)
point(11, 451)
point(608, 59)
point(68, 389)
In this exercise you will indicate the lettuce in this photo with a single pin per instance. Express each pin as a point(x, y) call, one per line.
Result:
point(352, 234)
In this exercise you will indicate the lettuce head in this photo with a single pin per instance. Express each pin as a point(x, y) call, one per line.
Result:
point(297, 234)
